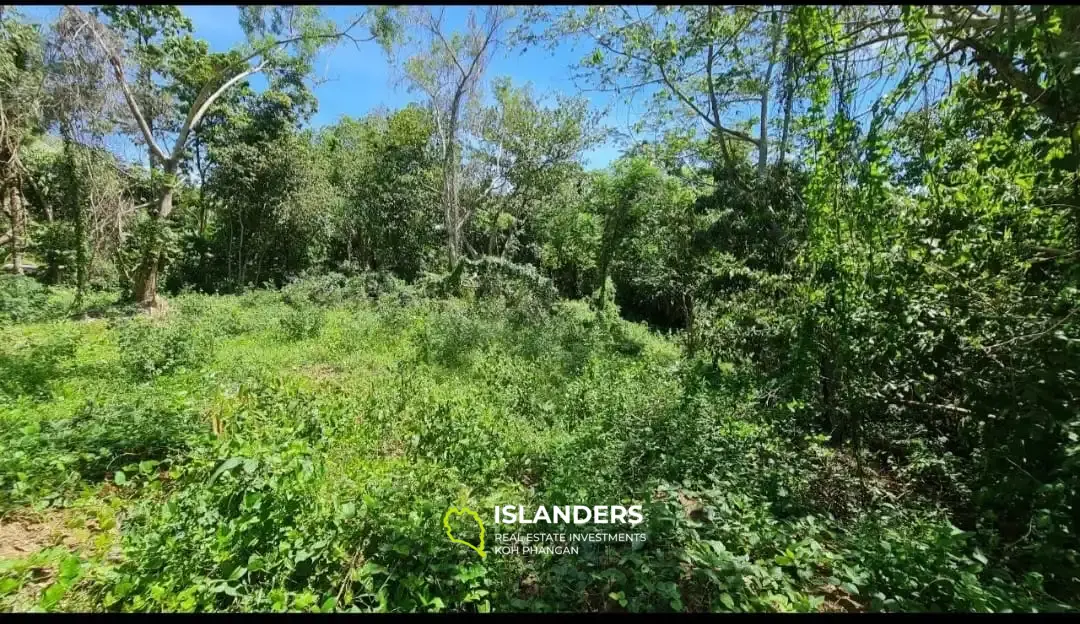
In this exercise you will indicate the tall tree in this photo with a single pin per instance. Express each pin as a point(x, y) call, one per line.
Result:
point(281, 41)
point(450, 70)
point(624, 198)
point(20, 118)
point(711, 64)
point(387, 176)
point(82, 109)
point(525, 151)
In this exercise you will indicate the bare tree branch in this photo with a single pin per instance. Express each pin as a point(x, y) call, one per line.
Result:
point(118, 71)
point(196, 114)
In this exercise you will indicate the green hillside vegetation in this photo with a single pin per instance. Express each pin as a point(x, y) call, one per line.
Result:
point(295, 450)
point(821, 326)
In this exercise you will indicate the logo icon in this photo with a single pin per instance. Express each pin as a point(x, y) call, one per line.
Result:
point(465, 511)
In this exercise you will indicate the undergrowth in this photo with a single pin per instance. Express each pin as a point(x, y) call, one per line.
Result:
point(296, 451)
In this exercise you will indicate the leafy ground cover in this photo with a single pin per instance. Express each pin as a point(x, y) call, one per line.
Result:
point(295, 450)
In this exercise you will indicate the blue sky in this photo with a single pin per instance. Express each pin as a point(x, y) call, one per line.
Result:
point(356, 81)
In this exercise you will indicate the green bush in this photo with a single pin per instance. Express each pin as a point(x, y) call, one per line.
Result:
point(321, 484)
point(450, 332)
point(23, 299)
point(324, 290)
point(149, 348)
point(302, 322)
point(529, 296)
point(250, 528)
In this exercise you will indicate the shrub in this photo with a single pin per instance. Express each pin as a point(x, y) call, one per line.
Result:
point(23, 299)
point(320, 290)
point(330, 495)
point(529, 295)
point(151, 348)
point(195, 306)
point(123, 433)
point(302, 322)
point(327, 290)
point(450, 333)
point(382, 284)
point(48, 459)
point(234, 323)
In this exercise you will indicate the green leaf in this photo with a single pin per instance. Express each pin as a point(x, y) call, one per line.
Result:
point(53, 594)
point(228, 464)
point(70, 568)
point(119, 477)
point(8, 585)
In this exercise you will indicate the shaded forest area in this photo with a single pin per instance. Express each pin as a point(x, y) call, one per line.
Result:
point(819, 316)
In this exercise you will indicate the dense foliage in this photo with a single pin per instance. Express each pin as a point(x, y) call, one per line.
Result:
point(821, 326)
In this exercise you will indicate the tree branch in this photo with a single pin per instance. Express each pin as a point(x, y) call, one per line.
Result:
point(947, 408)
point(118, 70)
point(713, 101)
point(735, 133)
point(1017, 79)
point(281, 42)
point(435, 26)
point(198, 111)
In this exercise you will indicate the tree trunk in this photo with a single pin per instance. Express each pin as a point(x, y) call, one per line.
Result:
point(81, 262)
point(76, 212)
point(451, 166)
point(74, 192)
point(789, 98)
point(240, 259)
point(229, 254)
point(763, 142)
point(146, 280)
point(450, 201)
point(603, 283)
point(146, 276)
point(201, 168)
point(691, 326)
point(15, 213)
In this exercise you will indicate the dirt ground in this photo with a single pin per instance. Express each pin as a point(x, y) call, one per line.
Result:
point(20, 537)
point(26, 532)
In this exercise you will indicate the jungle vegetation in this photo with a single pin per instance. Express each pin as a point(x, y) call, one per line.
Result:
point(818, 318)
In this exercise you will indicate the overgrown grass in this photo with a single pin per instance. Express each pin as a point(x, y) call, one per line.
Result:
point(297, 450)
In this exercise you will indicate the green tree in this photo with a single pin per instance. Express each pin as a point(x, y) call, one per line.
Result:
point(701, 66)
point(625, 197)
point(272, 185)
point(21, 100)
point(449, 70)
point(525, 152)
point(281, 41)
point(387, 175)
